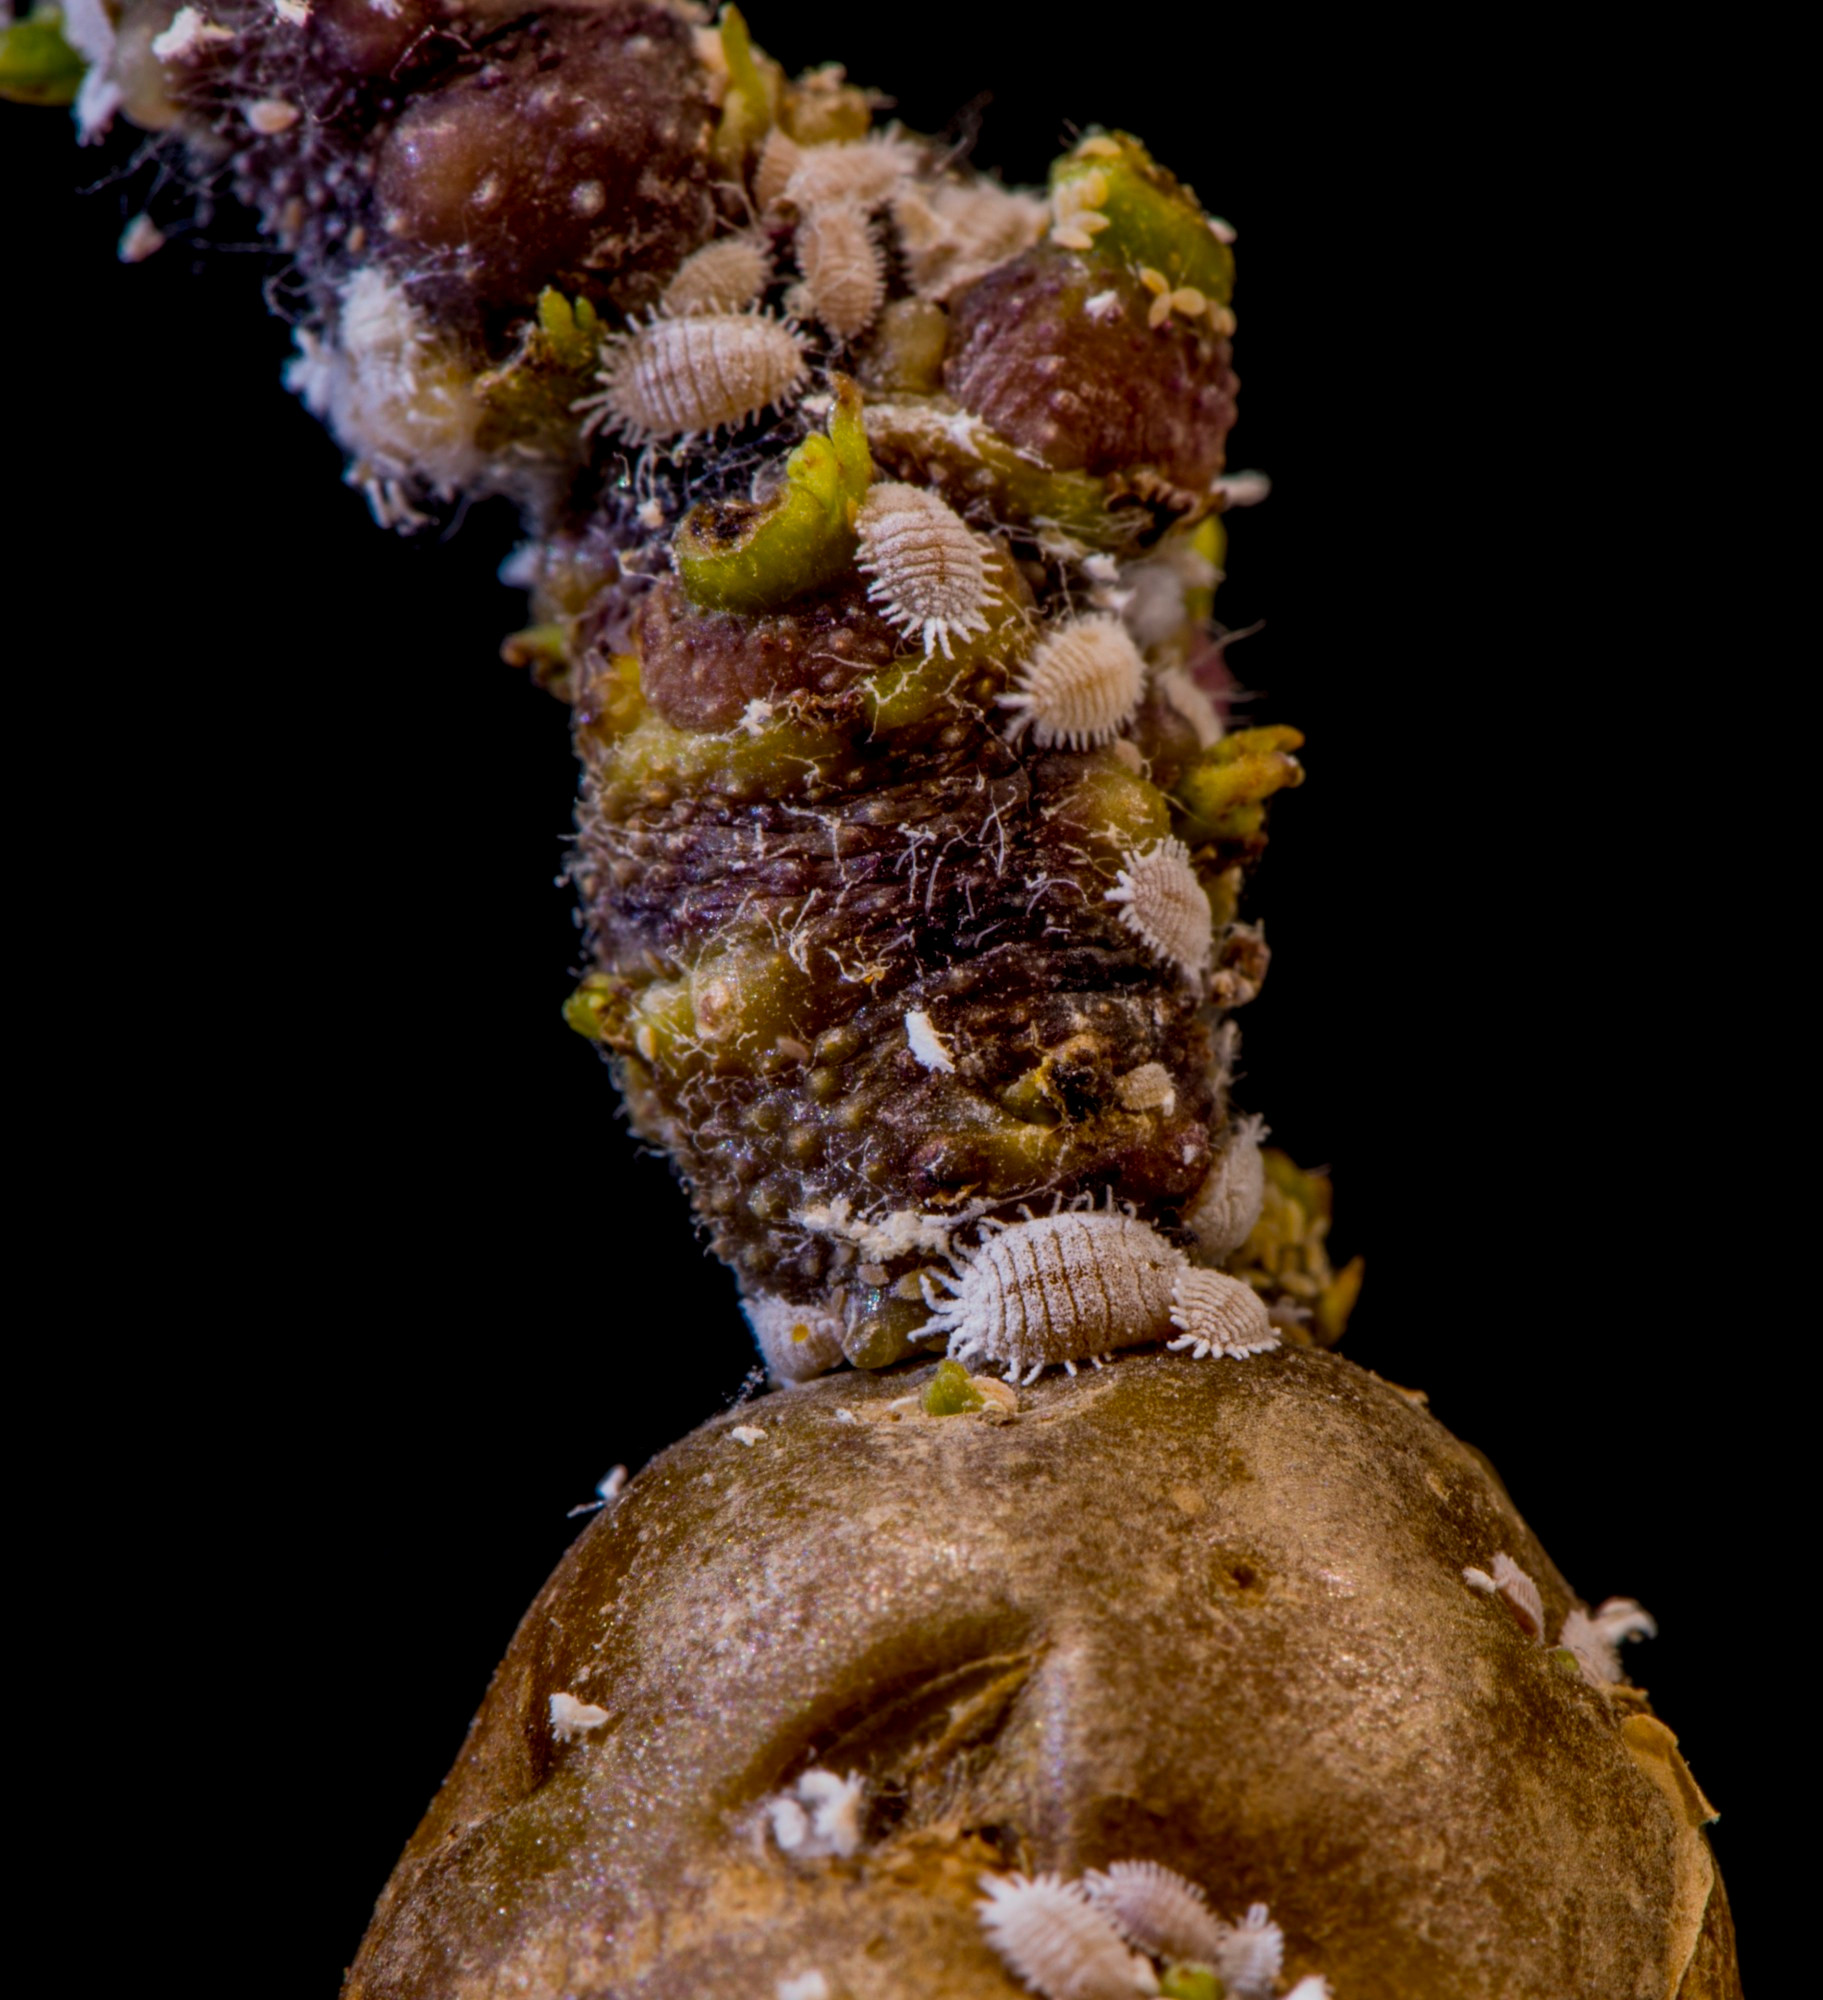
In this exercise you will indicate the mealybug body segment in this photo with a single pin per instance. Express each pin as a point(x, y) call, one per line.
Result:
point(1228, 1203)
point(924, 564)
point(722, 277)
point(1157, 1909)
point(1080, 687)
point(1058, 1289)
point(1058, 1942)
point(799, 1342)
point(862, 171)
point(1217, 1314)
point(844, 273)
point(680, 378)
point(1166, 907)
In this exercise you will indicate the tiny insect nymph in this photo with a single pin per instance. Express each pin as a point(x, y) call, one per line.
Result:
point(1166, 907)
point(863, 171)
point(1058, 1942)
point(1220, 1315)
point(820, 1816)
point(1192, 703)
point(1519, 1592)
point(720, 277)
point(684, 378)
point(571, 1718)
point(1595, 1637)
point(953, 232)
point(925, 566)
point(1157, 1909)
point(844, 273)
point(1147, 1088)
point(798, 1342)
point(1228, 1203)
point(779, 159)
point(1057, 1289)
point(1080, 687)
point(1251, 1954)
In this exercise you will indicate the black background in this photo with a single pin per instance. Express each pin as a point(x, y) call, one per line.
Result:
point(355, 1281)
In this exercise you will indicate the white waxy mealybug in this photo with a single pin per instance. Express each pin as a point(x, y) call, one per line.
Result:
point(1251, 1954)
point(1166, 907)
point(798, 1341)
point(895, 1232)
point(1192, 703)
point(720, 277)
point(398, 397)
point(1057, 1289)
point(1220, 1315)
point(570, 1717)
point(1153, 597)
point(956, 231)
point(190, 34)
point(1313, 1986)
point(1228, 1203)
point(925, 567)
point(1080, 687)
point(862, 171)
point(680, 378)
point(772, 172)
point(1148, 1088)
point(844, 273)
point(1518, 1590)
point(803, 1986)
point(1594, 1637)
point(1157, 1909)
point(820, 1816)
point(1058, 1942)
point(926, 1043)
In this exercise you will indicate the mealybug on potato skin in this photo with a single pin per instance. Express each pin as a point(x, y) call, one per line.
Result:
point(1058, 1289)
point(1056, 1940)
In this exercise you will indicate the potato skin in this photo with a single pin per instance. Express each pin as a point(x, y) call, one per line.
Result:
point(1210, 1614)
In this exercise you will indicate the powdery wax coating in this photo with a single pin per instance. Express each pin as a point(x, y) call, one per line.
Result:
point(1098, 392)
point(573, 156)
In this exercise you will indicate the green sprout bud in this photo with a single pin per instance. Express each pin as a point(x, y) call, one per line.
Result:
point(950, 1392)
point(37, 66)
point(1151, 221)
point(736, 557)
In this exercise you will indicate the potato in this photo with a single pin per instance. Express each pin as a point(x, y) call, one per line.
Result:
point(1211, 1614)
